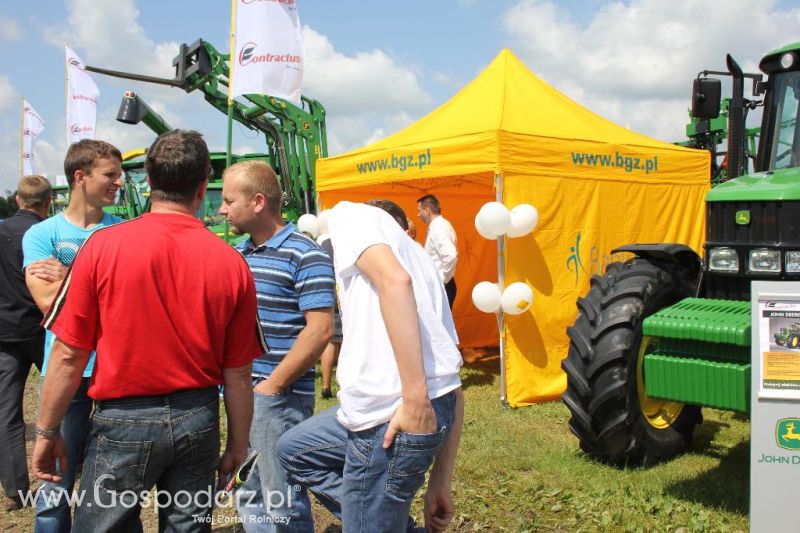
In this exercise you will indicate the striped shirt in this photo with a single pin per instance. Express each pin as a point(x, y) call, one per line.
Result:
point(292, 275)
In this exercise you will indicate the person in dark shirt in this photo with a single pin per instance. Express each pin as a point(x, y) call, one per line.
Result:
point(21, 335)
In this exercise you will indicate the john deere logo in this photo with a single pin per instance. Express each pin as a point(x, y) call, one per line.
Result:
point(785, 435)
point(743, 217)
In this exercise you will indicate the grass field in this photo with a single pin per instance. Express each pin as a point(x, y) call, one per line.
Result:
point(521, 470)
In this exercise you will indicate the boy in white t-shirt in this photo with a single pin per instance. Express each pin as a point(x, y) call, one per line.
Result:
point(401, 402)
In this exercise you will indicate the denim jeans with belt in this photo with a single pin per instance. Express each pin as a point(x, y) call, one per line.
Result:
point(368, 487)
point(170, 441)
point(52, 505)
point(269, 501)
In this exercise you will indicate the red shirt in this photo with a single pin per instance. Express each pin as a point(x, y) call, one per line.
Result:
point(166, 303)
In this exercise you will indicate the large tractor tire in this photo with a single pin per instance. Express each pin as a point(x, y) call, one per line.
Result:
point(615, 421)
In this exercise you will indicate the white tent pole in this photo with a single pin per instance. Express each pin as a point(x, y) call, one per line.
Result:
point(501, 244)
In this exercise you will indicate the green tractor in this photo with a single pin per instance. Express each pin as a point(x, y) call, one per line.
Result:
point(789, 337)
point(666, 333)
point(295, 135)
point(782, 337)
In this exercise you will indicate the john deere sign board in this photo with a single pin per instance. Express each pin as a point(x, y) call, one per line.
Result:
point(775, 401)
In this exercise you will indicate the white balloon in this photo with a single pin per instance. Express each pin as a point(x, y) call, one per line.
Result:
point(486, 296)
point(524, 218)
point(494, 218)
point(322, 221)
point(482, 231)
point(517, 298)
point(308, 224)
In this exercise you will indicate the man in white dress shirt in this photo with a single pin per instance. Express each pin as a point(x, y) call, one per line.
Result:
point(440, 242)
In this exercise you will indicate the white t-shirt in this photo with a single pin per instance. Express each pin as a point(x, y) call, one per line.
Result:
point(367, 372)
point(440, 243)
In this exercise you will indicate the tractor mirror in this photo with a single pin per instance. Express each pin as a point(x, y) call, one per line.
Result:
point(706, 96)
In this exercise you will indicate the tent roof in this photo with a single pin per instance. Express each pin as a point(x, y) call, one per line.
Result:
point(504, 101)
point(507, 96)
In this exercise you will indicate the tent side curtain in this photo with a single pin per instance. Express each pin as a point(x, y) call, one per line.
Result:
point(461, 197)
point(580, 222)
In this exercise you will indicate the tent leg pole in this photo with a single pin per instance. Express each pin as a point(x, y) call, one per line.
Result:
point(501, 241)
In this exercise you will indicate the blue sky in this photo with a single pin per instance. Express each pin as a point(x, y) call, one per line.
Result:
point(378, 66)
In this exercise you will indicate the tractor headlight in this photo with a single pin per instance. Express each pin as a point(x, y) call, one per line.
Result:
point(793, 262)
point(723, 260)
point(787, 60)
point(763, 260)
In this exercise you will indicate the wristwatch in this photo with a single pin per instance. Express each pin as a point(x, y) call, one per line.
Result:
point(47, 432)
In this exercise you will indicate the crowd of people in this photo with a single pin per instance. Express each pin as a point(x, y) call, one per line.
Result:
point(136, 327)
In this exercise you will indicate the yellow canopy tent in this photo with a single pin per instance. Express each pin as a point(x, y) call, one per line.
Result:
point(596, 185)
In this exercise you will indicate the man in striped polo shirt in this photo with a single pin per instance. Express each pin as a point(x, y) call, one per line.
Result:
point(295, 288)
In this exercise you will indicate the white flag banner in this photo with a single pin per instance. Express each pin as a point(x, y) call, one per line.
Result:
point(32, 127)
point(82, 96)
point(269, 49)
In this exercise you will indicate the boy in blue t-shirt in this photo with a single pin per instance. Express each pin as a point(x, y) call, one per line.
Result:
point(94, 175)
point(58, 238)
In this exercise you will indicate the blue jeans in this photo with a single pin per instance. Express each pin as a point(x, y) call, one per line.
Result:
point(268, 501)
point(170, 441)
point(368, 487)
point(52, 508)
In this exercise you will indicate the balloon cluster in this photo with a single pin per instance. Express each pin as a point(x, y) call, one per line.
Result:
point(492, 222)
point(513, 300)
point(495, 220)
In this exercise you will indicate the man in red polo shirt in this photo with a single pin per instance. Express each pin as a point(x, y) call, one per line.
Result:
point(171, 310)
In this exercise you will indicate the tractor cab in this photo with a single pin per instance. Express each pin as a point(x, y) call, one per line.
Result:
point(753, 222)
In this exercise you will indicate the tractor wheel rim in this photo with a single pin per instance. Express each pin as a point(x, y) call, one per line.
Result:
point(660, 414)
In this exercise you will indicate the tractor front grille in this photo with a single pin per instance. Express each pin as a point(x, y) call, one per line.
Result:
point(773, 224)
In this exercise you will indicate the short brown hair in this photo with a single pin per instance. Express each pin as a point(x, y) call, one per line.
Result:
point(34, 191)
point(431, 202)
point(83, 155)
point(259, 177)
point(393, 209)
point(177, 163)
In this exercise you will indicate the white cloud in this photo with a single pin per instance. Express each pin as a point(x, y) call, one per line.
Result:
point(109, 34)
point(367, 95)
point(634, 62)
point(9, 135)
point(348, 132)
point(8, 94)
point(48, 158)
point(366, 82)
point(9, 163)
point(9, 29)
